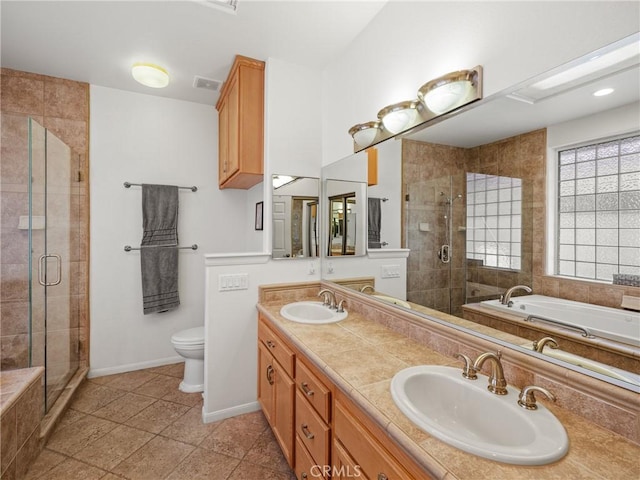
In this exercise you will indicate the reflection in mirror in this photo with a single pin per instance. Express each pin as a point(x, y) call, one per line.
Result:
point(462, 228)
point(347, 217)
point(295, 217)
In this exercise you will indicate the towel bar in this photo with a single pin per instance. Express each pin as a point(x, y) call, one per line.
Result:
point(128, 248)
point(128, 185)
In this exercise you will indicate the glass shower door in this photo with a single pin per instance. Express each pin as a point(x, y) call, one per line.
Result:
point(54, 312)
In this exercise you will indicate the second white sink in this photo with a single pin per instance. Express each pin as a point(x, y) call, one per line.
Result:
point(311, 312)
point(464, 414)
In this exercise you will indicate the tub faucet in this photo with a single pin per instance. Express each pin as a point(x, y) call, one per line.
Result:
point(538, 345)
point(367, 287)
point(497, 382)
point(329, 298)
point(506, 297)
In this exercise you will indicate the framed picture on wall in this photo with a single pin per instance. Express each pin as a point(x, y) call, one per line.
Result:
point(259, 206)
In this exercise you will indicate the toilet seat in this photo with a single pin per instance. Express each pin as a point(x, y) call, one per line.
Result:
point(190, 336)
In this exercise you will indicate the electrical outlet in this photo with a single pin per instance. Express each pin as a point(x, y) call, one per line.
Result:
point(236, 281)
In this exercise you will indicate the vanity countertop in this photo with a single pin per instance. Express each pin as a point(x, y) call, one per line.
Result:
point(361, 357)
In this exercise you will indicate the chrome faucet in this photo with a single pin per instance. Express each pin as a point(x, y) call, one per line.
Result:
point(367, 287)
point(506, 297)
point(497, 382)
point(538, 345)
point(328, 294)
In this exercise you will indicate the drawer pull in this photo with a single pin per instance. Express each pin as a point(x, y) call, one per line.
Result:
point(307, 433)
point(304, 475)
point(305, 388)
point(270, 374)
point(271, 344)
point(382, 476)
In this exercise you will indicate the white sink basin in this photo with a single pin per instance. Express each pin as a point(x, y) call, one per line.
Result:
point(311, 312)
point(395, 301)
point(464, 414)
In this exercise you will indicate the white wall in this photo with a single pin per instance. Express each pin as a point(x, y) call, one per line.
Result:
point(147, 139)
point(410, 43)
point(292, 147)
point(389, 186)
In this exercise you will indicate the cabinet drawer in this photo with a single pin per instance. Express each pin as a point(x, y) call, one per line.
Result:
point(366, 452)
point(278, 349)
point(312, 431)
point(306, 468)
point(313, 390)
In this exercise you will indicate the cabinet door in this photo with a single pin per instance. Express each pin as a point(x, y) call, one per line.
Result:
point(266, 383)
point(223, 142)
point(233, 135)
point(284, 395)
point(345, 467)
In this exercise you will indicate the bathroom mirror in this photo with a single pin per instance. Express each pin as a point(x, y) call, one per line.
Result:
point(446, 158)
point(295, 217)
point(347, 218)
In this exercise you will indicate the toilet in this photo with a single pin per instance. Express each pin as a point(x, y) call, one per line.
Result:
point(189, 344)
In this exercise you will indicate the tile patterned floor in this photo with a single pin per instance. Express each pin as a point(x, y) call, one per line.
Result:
point(138, 425)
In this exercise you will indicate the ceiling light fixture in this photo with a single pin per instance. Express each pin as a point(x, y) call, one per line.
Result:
point(399, 116)
point(603, 92)
point(447, 92)
point(150, 75)
point(435, 98)
point(365, 133)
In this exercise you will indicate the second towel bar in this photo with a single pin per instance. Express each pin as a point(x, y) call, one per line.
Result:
point(128, 248)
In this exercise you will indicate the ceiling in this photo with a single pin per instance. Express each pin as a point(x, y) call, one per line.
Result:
point(97, 41)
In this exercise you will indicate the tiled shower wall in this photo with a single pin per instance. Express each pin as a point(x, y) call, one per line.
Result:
point(61, 106)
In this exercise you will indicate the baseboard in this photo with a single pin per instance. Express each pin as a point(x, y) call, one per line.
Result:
point(101, 372)
point(229, 412)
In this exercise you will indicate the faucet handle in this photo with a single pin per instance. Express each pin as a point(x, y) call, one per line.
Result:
point(527, 400)
point(467, 371)
point(340, 306)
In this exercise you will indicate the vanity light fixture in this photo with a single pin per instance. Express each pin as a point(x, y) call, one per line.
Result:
point(447, 92)
point(150, 75)
point(435, 98)
point(399, 116)
point(603, 92)
point(365, 133)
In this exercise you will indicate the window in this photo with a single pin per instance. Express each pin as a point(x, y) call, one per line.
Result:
point(494, 220)
point(599, 210)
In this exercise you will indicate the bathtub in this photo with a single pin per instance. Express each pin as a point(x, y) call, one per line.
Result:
point(592, 320)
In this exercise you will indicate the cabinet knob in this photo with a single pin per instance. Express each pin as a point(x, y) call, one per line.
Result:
point(307, 433)
point(270, 374)
point(305, 389)
point(271, 344)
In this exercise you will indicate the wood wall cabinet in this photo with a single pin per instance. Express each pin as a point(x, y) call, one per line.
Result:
point(241, 125)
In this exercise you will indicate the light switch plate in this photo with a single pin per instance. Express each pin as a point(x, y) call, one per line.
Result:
point(235, 281)
point(390, 271)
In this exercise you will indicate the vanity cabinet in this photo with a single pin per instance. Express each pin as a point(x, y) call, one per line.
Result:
point(323, 434)
point(313, 429)
point(276, 388)
point(357, 452)
point(241, 125)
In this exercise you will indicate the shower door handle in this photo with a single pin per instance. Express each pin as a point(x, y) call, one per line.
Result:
point(42, 277)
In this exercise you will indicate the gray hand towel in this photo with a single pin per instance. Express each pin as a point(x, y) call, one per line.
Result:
point(158, 255)
point(374, 214)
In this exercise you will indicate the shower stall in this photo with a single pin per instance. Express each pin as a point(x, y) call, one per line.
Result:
point(41, 242)
point(468, 219)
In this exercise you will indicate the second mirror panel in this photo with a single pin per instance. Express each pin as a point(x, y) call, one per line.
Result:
point(296, 232)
